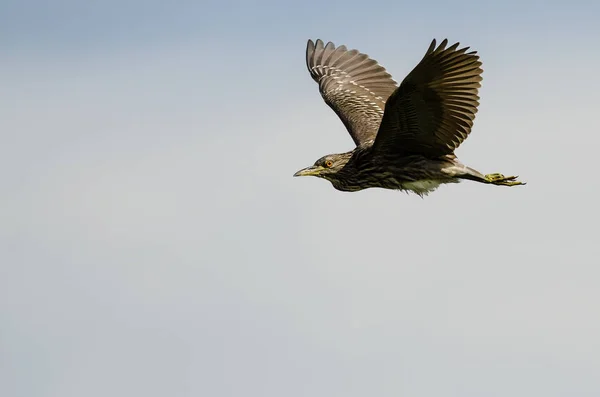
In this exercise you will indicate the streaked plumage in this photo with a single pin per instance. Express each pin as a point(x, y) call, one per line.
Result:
point(353, 85)
point(405, 135)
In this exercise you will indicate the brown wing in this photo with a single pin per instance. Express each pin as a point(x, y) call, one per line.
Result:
point(353, 85)
point(432, 111)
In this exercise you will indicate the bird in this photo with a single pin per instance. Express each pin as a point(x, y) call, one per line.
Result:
point(405, 135)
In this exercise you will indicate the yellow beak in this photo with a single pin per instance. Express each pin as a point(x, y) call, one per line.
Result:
point(313, 170)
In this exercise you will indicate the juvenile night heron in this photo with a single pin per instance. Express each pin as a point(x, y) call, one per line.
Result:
point(405, 135)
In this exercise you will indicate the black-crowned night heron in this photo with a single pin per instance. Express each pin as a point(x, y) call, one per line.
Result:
point(405, 136)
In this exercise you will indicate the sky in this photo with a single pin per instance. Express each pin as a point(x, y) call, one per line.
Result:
point(153, 241)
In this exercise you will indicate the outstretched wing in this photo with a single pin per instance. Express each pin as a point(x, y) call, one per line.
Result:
point(353, 85)
point(432, 111)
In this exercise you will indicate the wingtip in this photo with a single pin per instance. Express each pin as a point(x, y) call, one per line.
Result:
point(432, 45)
point(443, 44)
point(310, 50)
point(453, 47)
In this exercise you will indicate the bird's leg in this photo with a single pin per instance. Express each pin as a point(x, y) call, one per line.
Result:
point(499, 179)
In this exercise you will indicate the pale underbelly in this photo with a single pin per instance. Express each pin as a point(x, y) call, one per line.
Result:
point(421, 187)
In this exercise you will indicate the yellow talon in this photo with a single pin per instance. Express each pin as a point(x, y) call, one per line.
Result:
point(501, 180)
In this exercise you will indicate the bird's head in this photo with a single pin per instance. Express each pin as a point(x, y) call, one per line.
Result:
point(326, 167)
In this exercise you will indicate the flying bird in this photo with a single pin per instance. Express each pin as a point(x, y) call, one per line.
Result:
point(405, 135)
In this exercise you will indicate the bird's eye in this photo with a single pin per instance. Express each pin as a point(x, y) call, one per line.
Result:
point(328, 163)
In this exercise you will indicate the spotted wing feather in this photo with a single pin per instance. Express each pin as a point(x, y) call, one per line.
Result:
point(353, 85)
point(433, 110)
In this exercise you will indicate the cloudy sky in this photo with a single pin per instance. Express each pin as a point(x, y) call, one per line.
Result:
point(154, 243)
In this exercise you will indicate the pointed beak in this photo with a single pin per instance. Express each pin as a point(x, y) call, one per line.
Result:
point(313, 170)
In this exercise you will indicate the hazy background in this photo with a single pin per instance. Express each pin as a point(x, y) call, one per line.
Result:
point(154, 243)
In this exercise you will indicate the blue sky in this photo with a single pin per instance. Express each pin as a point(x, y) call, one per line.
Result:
point(153, 241)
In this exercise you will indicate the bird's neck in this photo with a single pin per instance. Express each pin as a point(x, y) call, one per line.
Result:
point(350, 176)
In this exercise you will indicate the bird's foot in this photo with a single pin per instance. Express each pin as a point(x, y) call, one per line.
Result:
point(499, 179)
